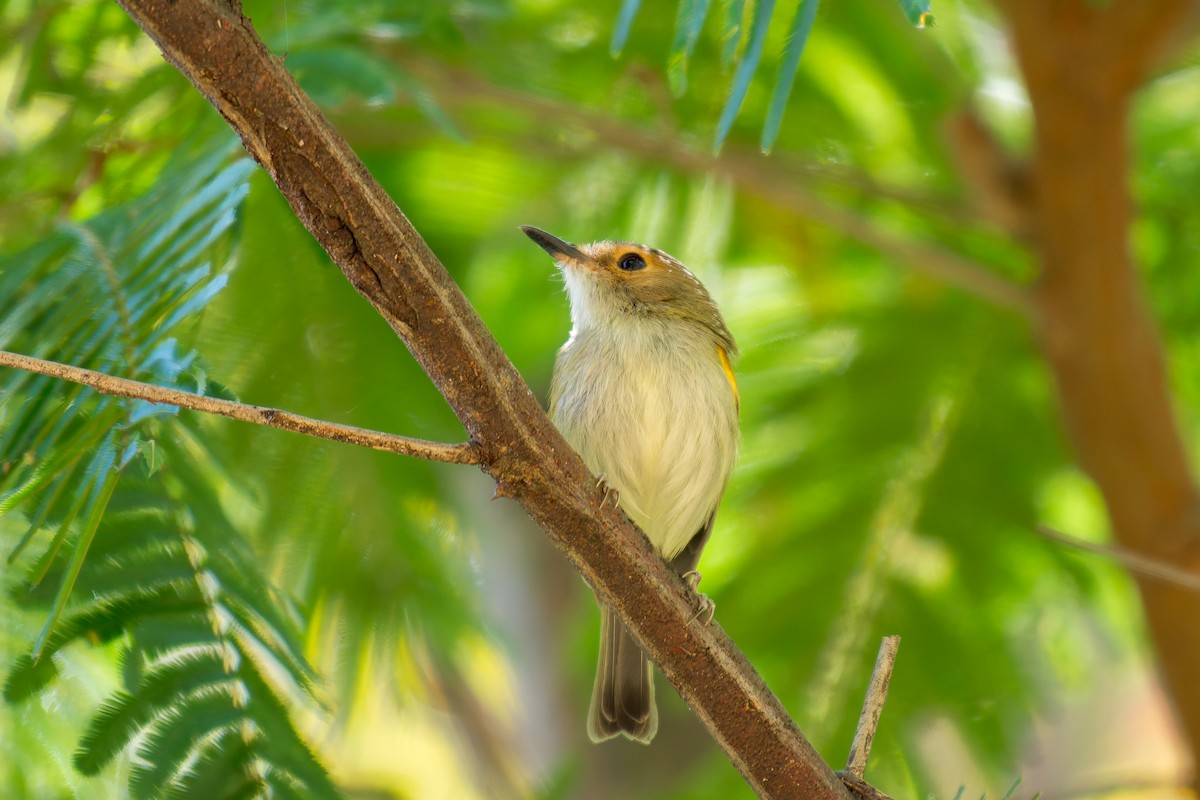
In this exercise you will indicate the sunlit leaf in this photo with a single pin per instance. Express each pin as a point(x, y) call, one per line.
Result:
point(806, 12)
point(629, 10)
point(745, 69)
point(917, 12)
point(105, 476)
point(731, 35)
point(125, 715)
point(689, 21)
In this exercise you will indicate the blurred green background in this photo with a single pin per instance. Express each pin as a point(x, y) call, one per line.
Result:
point(901, 440)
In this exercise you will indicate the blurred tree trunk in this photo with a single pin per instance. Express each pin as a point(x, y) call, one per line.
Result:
point(1082, 62)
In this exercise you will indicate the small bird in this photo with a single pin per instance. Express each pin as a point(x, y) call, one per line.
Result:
point(645, 393)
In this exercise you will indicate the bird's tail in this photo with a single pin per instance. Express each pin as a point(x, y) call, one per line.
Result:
point(623, 696)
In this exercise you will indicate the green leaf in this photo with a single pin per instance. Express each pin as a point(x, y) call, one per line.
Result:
point(205, 618)
point(291, 751)
point(226, 770)
point(100, 621)
point(189, 305)
point(732, 30)
point(629, 9)
point(27, 677)
point(47, 560)
point(45, 471)
point(171, 741)
point(105, 482)
point(426, 102)
point(148, 450)
point(688, 23)
point(268, 629)
point(802, 24)
point(162, 634)
point(20, 315)
point(331, 74)
point(1012, 789)
point(123, 716)
point(745, 70)
point(917, 12)
point(45, 508)
point(150, 567)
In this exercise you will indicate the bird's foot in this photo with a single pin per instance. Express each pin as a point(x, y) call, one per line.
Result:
point(611, 493)
point(704, 607)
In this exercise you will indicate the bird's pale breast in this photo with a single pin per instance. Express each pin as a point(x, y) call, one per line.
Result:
point(652, 409)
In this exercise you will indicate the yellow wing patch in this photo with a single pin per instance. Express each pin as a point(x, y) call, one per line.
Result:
point(725, 365)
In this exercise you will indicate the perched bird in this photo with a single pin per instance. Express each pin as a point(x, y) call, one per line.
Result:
point(644, 391)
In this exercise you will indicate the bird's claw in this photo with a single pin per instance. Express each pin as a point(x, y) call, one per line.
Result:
point(704, 605)
point(610, 492)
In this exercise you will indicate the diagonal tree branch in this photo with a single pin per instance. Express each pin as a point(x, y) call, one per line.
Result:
point(259, 415)
point(216, 48)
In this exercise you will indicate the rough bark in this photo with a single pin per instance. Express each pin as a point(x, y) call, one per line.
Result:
point(1082, 62)
point(367, 236)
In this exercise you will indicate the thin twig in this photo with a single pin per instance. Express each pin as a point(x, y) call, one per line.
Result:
point(1143, 565)
point(868, 720)
point(465, 453)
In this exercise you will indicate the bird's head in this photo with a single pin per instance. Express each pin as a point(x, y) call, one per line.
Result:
point(609, 282)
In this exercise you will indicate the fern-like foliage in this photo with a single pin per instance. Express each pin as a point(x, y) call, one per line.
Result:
point(124, 502)
point(169, 572)
point(744, 53)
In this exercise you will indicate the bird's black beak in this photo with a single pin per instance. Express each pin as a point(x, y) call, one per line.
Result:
point(555, 246)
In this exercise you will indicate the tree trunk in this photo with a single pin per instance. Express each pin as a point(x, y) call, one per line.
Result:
point(1082, 61)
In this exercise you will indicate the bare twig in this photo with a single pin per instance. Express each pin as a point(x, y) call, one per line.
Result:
point(465, 453)
point(1143, 565)
point(868, 719)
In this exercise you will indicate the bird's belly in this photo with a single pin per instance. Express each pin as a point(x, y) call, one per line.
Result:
point(664, 436)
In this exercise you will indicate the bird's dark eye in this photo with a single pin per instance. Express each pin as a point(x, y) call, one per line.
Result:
point(631, 262)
